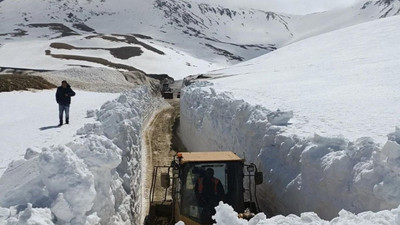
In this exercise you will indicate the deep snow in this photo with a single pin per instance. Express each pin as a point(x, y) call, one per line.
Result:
point(319, 117)
point(98, 79)
point(30, 119)
point(195, 37)
point(334, 86)
point(96, 177)
point(320, 172)
point(226, 216)
point(32, 55)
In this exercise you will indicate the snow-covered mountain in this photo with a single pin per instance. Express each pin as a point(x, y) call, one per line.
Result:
point(209, 33)
point(200, 29)
point(386, 7)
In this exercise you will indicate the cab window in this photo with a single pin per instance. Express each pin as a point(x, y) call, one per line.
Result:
point(191, 207)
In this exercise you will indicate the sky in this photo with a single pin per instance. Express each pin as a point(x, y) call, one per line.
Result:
point(288, 6)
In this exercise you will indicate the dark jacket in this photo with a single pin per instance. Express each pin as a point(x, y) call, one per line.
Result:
point(63, 95)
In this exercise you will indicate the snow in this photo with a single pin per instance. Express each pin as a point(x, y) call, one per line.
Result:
point(32, 216)
point(32, 55)
point(185, 31)
point(226, 216)
point(343, 76)
point(318, 117)
point(97, 79)
point(288, 6)
point(31, 119)
point(67, 177)
point(188, 32)
point(90, 177)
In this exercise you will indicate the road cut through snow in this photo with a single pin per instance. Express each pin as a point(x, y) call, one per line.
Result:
point(319, 117)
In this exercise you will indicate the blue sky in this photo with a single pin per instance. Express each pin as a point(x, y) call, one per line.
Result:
point(288, 6)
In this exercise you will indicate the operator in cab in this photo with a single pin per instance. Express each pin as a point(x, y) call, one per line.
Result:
point(209, 192)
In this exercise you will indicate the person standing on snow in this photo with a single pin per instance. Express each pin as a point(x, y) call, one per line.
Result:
point(63, 98)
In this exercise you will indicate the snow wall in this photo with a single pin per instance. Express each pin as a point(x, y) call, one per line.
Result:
point(227, 216)
point(93, 179)
point(318, 174)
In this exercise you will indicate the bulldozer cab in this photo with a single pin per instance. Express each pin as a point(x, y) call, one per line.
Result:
point(198, 206)
point(166, 90)
point(199, 181)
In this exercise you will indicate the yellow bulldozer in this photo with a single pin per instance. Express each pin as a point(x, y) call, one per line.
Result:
point(189, 189)
point(166, 90)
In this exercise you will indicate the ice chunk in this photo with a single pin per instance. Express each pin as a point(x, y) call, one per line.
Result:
point(90, 113)
point(34, 216)
point(279, 118)
point(391, 149)
point(62, 209)
point(30, 153)
point(21, 183)
point(63, 172)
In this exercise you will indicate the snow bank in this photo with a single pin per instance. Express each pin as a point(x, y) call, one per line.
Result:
point(319, 174)
point(340, 83)
point(226, 216)
point(35, 126)
point(30, 216)
point(95, 178)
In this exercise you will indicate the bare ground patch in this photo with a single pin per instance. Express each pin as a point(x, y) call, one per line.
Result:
point(57, 27)
point(83, 27)
point(129, 39)
point(96, 60)
point(223, 52)
point(12, 82)
point(142, 36)
point(17, 33)
point(120, 53)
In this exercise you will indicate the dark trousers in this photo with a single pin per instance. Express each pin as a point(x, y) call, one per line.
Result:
point(61, 109)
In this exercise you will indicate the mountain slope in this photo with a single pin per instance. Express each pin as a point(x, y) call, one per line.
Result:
point(210, 33)
point(386, 7)
point(235, 34)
